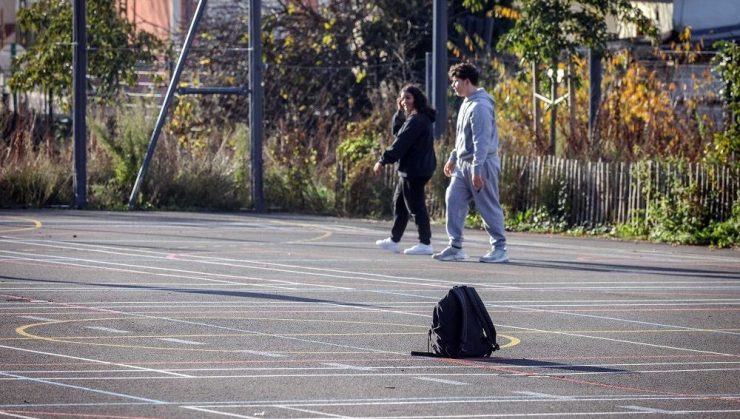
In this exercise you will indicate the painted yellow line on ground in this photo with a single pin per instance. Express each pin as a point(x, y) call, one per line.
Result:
point(280, 319)
point(36, 225)
point(24, 331)
point(224, 335)
point(512, 340)
point(325, 234)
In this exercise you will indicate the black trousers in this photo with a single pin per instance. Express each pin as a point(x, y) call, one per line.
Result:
point(409, 199)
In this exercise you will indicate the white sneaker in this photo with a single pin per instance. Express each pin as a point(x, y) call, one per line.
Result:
point(419, 249)
point(388, 244)
point(450, 254)
point(495, 256)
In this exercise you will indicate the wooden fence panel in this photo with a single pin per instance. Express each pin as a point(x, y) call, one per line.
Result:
point(600, 193)
point(597, 193)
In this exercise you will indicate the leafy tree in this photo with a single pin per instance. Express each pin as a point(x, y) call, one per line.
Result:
point(727, 145)
point(321, 65)
point(324, 67)
point(114, 48)
point(547, 29)
point(477, 25)
point(345, 48)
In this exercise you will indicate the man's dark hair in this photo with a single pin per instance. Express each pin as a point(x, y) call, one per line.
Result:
point(465, 71)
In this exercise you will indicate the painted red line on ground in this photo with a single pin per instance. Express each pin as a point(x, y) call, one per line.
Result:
point(76, 415)
point(363, 359)
point(507, 370)
point(615, 310)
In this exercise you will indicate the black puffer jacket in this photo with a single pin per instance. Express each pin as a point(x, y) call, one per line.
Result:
point(413, 146)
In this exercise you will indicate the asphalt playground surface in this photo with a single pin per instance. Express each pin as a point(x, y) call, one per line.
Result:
point(190, 315)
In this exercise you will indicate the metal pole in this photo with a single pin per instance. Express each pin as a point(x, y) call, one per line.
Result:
point(13, 50)
point(429, 86)
point(439, 73)
point(553, 109)
point(536, 105)
point(572, 103)
point(166, 105)
point(594, 93)
point(79, 87)
point(255, 102)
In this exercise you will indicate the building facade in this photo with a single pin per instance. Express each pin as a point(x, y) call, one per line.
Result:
point(707, 20)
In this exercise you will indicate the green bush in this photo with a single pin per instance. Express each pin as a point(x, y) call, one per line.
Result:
point(34, 174)
point(125, 137)
point(35, 182)
point(359, 191)
point(677, 217)
point(725, 233)
point(675, 213)
point(726, 145)
point(195, 184)
point(292, 179)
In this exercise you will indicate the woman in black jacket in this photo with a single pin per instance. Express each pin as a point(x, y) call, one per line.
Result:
point(413, 149)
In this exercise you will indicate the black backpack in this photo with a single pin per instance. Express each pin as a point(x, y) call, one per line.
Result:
point(461, 326)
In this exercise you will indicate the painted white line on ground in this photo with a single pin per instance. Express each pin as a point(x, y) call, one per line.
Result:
point(544, 395)
point(267, 354)
point(93, 390)
point(41, 319)
point(235, 329)
point(97, 361)
point(12, 415)
point(387, 304)
point(347, 366)
point(330, 366)
point(243, 263)
point(359, 373)
point(698, 286)
point(107, 329)
point(666, 303)
point(272, 267)
point(440, 399)
point(652, 410)
point(180, 273)
point(312, 412)
point(305, 268)
point(443, 381)
point(216, 412)
point(617, 319)
point(542, 414)
point(651, 345)
point(182, 341)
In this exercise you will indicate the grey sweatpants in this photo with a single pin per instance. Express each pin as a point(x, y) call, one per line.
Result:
point(461, 192)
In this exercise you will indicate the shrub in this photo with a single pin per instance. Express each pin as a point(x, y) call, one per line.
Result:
point(40, 177)
point(188, 179)
point(359, 191)
point(725, 233)
point(293, 181)
point(125, 136)
point(676, 214)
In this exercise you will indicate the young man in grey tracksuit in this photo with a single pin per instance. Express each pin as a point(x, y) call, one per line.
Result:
point(474, 167)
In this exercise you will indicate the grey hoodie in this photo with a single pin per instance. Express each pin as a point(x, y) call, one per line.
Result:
point(476, 136)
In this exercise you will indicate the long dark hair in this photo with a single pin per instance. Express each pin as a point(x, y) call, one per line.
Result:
point(421, 103)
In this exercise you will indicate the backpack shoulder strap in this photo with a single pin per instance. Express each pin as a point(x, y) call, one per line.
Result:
point(483, 316)
point(459, 292)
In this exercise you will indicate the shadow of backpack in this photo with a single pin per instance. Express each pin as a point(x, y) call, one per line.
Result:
point(461, 326)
